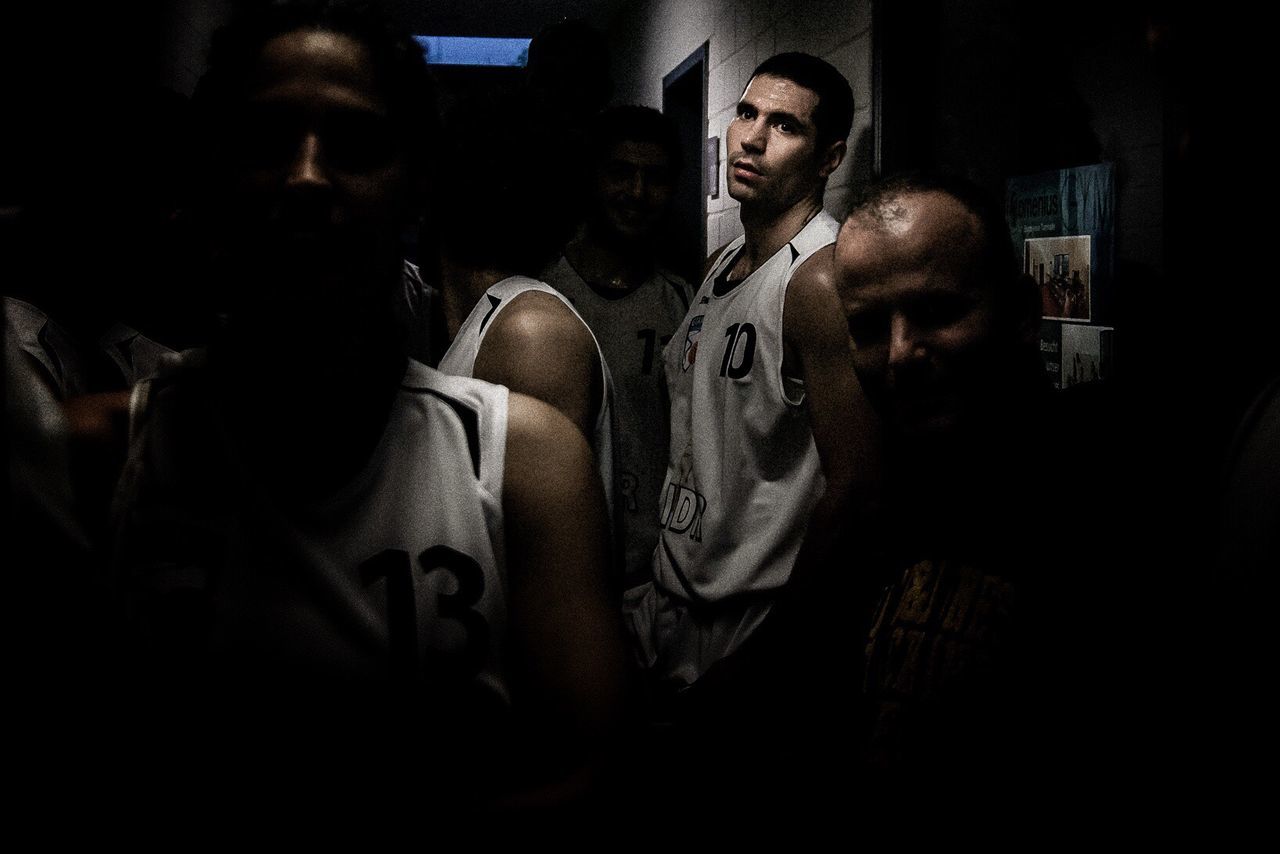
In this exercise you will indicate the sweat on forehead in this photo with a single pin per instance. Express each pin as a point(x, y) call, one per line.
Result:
point(931, 215)
point(770, 85)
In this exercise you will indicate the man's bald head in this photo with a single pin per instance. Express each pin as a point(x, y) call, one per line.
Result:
point(972, 214)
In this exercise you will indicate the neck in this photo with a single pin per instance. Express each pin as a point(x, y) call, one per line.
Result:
point(605, 261)
point(461, 287)
point(768, 229)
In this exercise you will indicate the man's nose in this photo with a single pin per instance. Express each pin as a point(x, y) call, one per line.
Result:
point(753, 139)
point(308, 171)
point(906, 344)
point(638, 185)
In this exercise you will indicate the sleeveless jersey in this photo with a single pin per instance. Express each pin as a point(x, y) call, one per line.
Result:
point(460, 360)
point(398, 576)
point(61, 364)
point(631, 328)
point(744, 472)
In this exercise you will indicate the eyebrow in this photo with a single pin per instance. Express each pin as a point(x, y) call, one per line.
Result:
point(776, 115)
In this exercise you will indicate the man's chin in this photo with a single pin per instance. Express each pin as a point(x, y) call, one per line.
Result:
point(632, 229)
point(924, 422)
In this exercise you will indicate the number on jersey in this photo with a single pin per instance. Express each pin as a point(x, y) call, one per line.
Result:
point(402, 616)
point(743, 334)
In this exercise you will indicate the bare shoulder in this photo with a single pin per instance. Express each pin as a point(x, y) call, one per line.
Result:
point(817, 272)
point(535, 333)
point(539, 347)
point(812, 303)
point(535, 316)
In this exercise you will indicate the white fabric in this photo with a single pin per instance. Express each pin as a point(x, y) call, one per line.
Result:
point(317, 589)
point(631, 329)
point(743, 474)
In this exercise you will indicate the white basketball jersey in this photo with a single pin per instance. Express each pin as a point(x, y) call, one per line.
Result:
point(460, 360)
point(744, 472)
point(62, 365)
point(400, 575)
point(631, 328)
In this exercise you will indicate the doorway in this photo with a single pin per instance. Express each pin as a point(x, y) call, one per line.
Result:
point(684, 101)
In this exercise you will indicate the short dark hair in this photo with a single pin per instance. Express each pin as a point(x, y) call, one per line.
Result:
point(571, 55)
point(833, 117)
point(997, 261)
point(632, 123)
point(398, 64)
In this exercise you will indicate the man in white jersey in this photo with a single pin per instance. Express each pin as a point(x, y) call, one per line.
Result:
point(610, 274)
point(350, 562)
point(501, 324)
point(770, 435)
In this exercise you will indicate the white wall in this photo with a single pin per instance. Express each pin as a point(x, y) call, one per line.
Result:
point(190, 25)
point(651, 37)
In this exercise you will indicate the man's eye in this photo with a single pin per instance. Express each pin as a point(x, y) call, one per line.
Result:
point(265, 140)
point(746, 113)
point(616, 172)
point(941, 310)
point(358, 143)
point(786, 127)
point(867, 327)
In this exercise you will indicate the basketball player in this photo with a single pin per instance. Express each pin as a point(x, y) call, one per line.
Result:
point(355, 562)
point(769, 433)
point(502, 324)
point(633, 306)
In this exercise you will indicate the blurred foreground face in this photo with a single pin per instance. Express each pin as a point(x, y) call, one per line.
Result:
point(633, 189)
point(921, 322)
point(319, 185)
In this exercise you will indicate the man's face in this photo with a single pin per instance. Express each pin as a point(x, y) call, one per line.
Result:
point(772, 144)
point(634, 186)
point(924, 330)
point(318, 185)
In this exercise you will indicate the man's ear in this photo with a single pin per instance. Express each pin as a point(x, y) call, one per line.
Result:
point(832, 158)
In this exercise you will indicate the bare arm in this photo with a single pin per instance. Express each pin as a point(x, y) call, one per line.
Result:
point(566, 639)
point(539, 348)
point(845, 429)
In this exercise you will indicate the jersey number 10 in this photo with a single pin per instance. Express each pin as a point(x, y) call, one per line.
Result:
point(746, 333)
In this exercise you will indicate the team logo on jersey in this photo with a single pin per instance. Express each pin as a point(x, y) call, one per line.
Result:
point(682, 511)
point(691, 342)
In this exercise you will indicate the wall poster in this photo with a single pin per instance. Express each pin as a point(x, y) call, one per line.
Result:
point(1063, 225)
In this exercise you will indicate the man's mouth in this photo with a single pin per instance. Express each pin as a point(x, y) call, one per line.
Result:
point(744, 169)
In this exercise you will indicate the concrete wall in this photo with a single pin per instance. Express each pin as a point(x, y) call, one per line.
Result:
point(190, 25)
point(649, 38)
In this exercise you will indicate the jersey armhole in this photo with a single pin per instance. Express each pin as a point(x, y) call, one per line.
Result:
point(787, 386)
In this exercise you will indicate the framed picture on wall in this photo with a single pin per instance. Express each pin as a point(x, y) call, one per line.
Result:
point(1063, 224)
